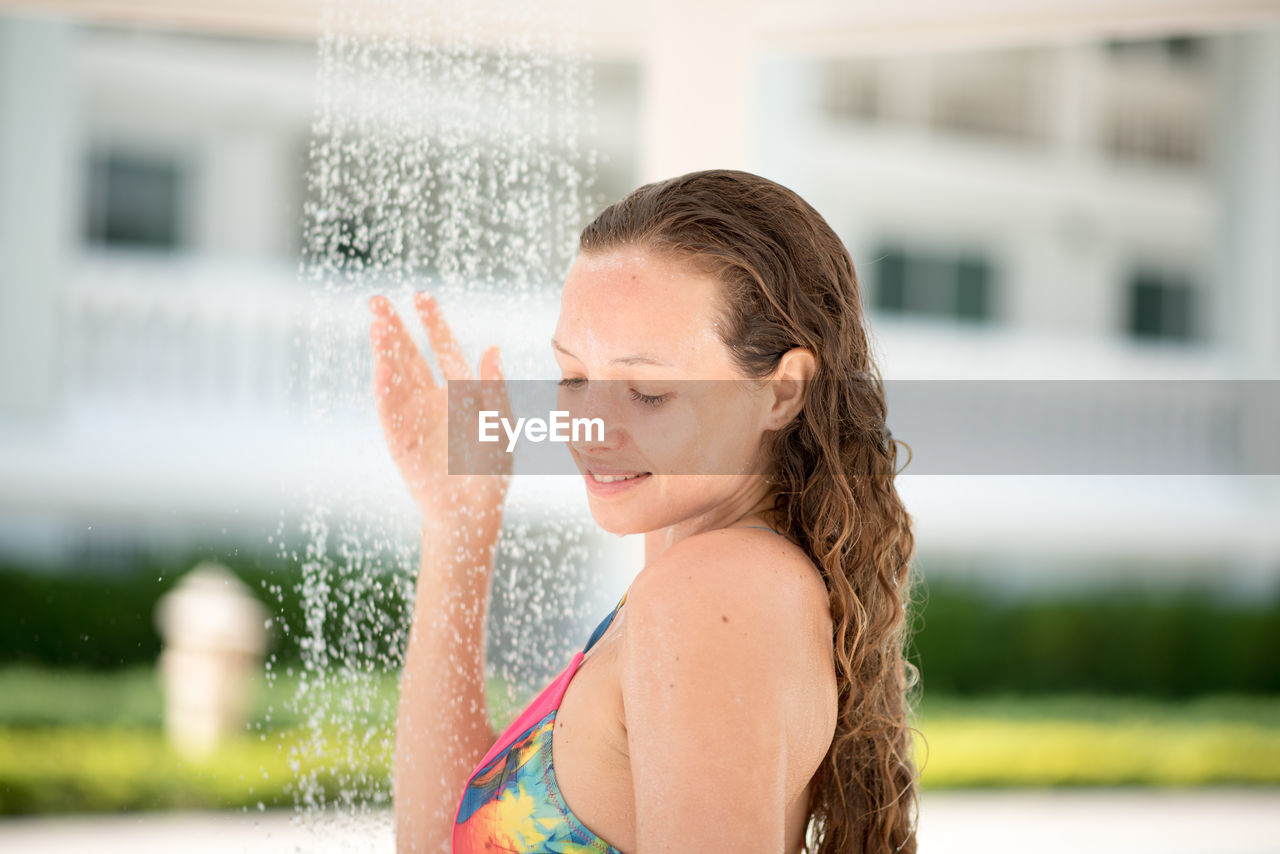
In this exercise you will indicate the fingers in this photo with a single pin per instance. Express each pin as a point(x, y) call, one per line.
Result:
point(495, 390)
point(391, 396)
point(491, 364)
point(495, 396)
point(491, 374)
point(393, 348)
point(453, 364)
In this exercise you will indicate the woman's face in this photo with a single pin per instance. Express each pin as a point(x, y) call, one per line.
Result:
point(638, 346)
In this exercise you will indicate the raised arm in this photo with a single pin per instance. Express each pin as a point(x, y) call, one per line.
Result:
point(442, 725)
point(442, 728)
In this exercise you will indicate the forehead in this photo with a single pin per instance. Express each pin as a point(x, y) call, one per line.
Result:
point(630, 301)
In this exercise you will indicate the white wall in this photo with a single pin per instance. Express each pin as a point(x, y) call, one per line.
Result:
point(116, 436)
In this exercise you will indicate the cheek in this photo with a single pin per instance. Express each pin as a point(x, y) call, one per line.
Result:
point(728, 437)
point(710, 436)
point(670, 440)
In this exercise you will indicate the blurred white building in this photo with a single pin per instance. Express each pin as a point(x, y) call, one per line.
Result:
point(1089, 209)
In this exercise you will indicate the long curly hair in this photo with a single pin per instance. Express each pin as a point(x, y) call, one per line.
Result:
point(789, 282)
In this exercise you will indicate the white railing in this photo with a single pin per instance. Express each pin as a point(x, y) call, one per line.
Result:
point(1156, 112)
point(183, 393)
point(1153, 111)
point(252, 340)
point(184, 334)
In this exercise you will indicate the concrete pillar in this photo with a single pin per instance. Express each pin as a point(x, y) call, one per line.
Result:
point(1246, 306)
point(39, 174)
point(696, 90)
point(214, 636)
point(244, 185)
point(788, 117)
point(1077, 101)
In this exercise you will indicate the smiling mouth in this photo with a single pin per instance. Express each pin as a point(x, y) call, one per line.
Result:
point(614, 478)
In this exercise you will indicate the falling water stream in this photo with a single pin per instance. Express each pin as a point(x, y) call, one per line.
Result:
point(448, 154)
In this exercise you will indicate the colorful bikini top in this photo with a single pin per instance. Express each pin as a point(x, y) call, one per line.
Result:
point(512, 802)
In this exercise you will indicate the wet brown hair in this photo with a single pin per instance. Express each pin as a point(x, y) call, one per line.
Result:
point(789, 282)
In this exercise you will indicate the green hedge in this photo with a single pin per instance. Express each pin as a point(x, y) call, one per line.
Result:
point(966, 642)
point(1113, 642)
point(67, 619)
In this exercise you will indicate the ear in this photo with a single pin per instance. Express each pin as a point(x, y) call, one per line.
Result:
point(793, 373)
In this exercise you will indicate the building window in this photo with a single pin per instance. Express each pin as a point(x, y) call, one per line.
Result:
point(1161, 307)
point(1174, 49)
point(135, 201)
point(1185, 48)
point(940, 284)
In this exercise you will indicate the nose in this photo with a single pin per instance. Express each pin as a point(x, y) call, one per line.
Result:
point(590, 442)
point(595, 403)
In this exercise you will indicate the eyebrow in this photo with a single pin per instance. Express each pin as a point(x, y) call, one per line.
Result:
point(635, 359)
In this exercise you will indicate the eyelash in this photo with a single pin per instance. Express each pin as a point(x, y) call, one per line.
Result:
point(651, 400)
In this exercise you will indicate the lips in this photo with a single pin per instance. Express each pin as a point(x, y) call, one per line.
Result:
point(605, 480)
point(602, 471)
point(614, 478)
point(615, 488)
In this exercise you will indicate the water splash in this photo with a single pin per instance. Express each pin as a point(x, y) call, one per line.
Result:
point(447, 155)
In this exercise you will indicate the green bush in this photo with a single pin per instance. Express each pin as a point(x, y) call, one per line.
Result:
point(1113, 642)
point(63, 618)
point(967, 642)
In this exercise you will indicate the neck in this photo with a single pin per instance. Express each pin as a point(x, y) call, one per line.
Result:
point(746, 508)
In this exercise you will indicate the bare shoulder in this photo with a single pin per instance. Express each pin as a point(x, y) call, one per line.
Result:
point(746, 594)
point(727, 643)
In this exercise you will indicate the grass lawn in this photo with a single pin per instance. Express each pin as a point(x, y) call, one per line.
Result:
point(72, 741)
point(1098, 741)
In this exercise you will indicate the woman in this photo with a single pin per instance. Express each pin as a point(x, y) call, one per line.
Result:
point(749, 692)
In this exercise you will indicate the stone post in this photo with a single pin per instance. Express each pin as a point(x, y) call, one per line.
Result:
point(214, 634)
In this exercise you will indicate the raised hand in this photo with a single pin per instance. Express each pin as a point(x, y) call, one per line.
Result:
point(413, 409)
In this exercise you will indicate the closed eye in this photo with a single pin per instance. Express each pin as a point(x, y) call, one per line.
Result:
point(648, 400)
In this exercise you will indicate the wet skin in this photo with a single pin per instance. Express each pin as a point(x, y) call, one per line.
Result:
point(697, 721)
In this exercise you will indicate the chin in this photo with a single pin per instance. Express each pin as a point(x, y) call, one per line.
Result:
point(616, 520)
point(630, 517)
